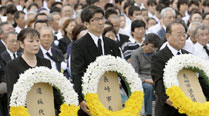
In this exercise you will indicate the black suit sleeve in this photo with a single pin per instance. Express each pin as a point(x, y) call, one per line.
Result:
point(77, 68)
point(157, 66)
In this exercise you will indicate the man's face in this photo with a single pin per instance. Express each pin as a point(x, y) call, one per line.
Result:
point(151, 22)
point(116, 23)
point(46, 38)
point(39, 25)
point(96, 24)
point(55, 22)
point(136, 13)
point(12, 43)
point(42, 17)
point(21, 21)
point(183, 7)
point(67, 11)
point(169, 17)
point(6, 29)
point(139, 32)
point(177, 37)
point(203, 37)
point(206, 20)
point(196, 18)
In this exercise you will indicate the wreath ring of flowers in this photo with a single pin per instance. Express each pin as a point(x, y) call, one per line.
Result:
point(90, 84)
point(43, 75)
point(180, 101)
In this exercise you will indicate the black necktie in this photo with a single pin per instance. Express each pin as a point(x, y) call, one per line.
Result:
point(14, 56)
point(52, 57)
point(178, 53)
point(99, 46)
point(206, 49)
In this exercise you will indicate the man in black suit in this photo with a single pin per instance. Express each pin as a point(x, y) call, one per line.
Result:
point(120, 38)
point(47, 51)
point(176, 37)
point(13, 46)
point(85, 50)
point(4, 29)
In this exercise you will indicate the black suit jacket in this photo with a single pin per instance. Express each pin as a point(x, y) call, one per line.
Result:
point(6, 57)
point(57, 54)
point(158, 63)
point(83, 52)
point(2, 47)
point(123, 39)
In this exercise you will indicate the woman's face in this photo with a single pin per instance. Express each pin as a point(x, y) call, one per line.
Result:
point(70, 27)
point(30, 45)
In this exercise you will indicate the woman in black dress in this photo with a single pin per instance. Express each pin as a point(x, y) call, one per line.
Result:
point(30, 43)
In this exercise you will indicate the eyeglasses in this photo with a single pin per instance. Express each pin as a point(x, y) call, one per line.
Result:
point(97, 19)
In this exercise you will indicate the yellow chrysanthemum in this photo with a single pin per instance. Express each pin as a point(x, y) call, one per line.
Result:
point(19, 111)
point(67, 110)
point(185, 105)
point(132, 106)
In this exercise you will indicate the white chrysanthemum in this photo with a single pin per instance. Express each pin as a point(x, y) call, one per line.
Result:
point(108, 63)
point(42, 75)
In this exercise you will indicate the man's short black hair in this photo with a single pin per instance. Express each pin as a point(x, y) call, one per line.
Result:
point(89, 12)
point(110, 12)
point(108, 5)
point(132, 9)
point(55, 3)
point(127, 4)
point(195, 2)
point(137, 24)
point(151, 2)
point(180, 2)
point(160, 7)
point(11, 8)
point(152, 38)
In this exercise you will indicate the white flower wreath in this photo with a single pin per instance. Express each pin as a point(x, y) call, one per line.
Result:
point(109, 63)
point(179, 62)
point(180, 101)
point(91, 80)
point(45, 75)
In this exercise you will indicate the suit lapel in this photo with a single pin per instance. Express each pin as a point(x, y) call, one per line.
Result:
point(8, 57)
point(168, 53)
point(107, 47)
point(54, 54)
point(91, 47)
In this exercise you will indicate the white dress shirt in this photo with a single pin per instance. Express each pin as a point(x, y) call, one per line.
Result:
point(53, 64)
point(95, 39)
point(200, 51)
point(18, 29)
point(189, 46)
point(154, 29)
point(173, 50)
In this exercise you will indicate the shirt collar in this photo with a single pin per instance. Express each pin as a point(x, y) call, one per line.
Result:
point(95, 38)
point(45, 51)
point(173, 50)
